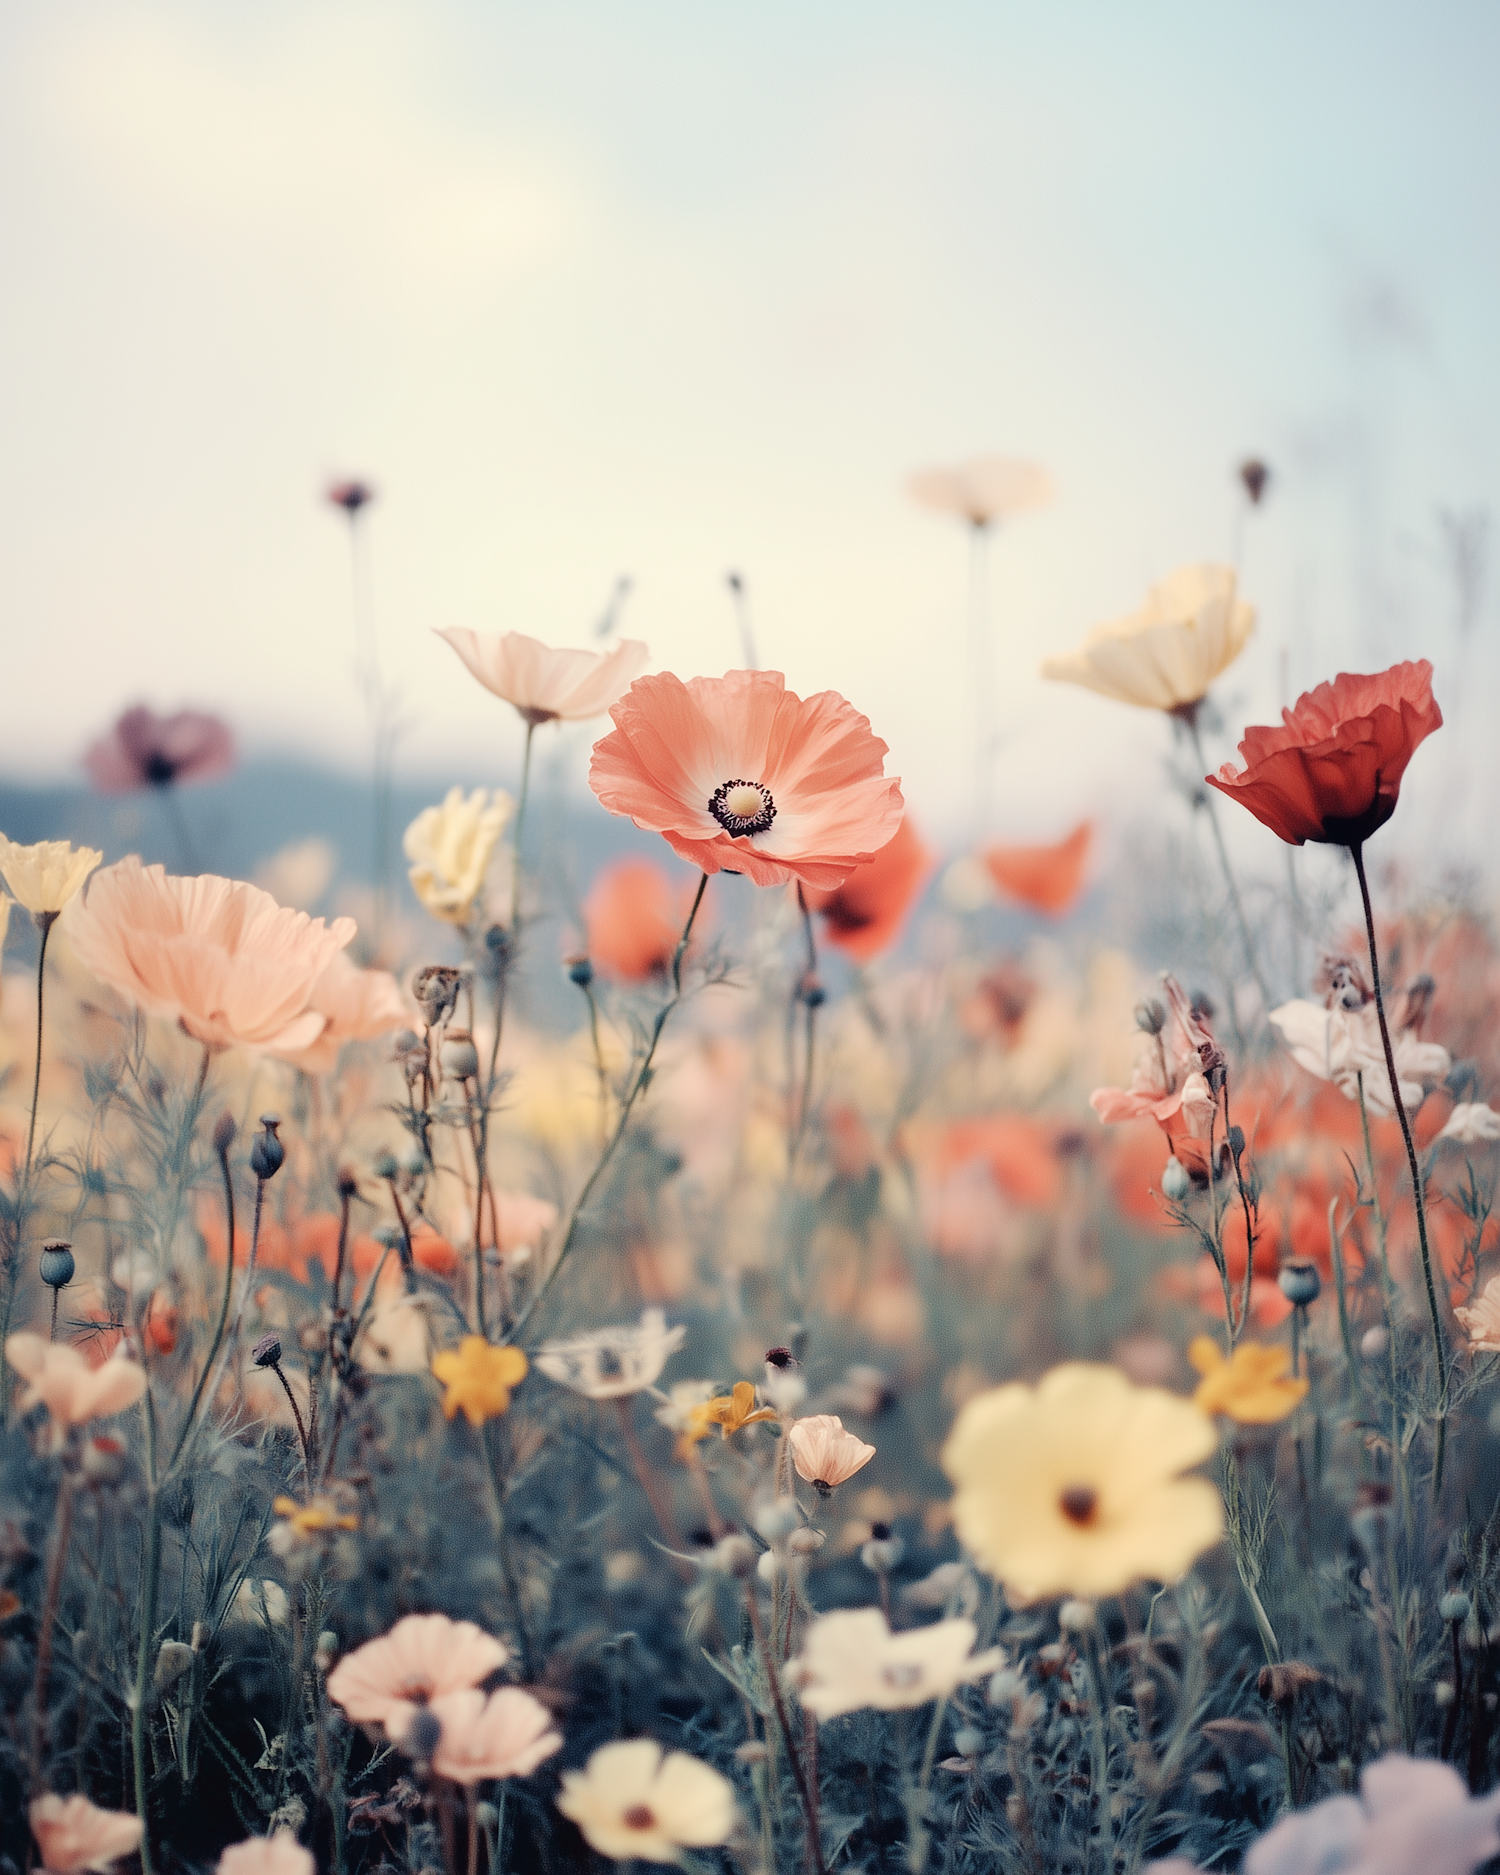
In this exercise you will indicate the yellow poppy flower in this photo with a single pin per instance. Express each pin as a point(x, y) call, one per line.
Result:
point(1252, 1386)
point(1192, 626)
point(478, 1378)
point(45, 876)
point(730, 1411)
point(450, 848)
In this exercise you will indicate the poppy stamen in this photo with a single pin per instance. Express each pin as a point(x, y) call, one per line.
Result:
point(742, 807)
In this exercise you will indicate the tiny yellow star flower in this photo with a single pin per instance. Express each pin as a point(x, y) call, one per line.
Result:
point(478, 1378)
point(730, 1411)
point(321, 1514)
point(1252, 1386)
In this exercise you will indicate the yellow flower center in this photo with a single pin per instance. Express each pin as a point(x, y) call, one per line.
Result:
point(1078, 1504)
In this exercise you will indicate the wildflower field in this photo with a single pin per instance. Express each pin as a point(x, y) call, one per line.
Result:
point(788, 1398)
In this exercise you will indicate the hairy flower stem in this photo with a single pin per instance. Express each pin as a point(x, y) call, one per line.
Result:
point(1336, 1252)
point(806, 994)
point(1439, 1345)
point(1206, 801)
point(778, 1701)
point(920, 1838)
point(1239, 1179)
point(150, 1584)
point(44, 923)
point(601, 1072)
point(627, 1106)
point(61, 1536)
point(406, 1252)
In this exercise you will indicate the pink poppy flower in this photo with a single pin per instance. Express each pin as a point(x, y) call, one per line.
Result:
point(280, 1854)
point(738, 774)
point(221, 958)
point(59, 1378)
point(986, 489)
point(74, 1835)
point(507, 1734)
point(864, 915)
point(421, 1658)
point(544, 684)
point(359, 1005)
point(144, 750)
point(824, 1454)
point(634, 915)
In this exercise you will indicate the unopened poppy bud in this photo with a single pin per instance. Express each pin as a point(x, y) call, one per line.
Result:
point(968, 1740)
point(225, 1128)
point(348, 1184)
point(1175, 1183)
point(173, 1658)
point(1254, 478)
point(415, 1165)
point(326, 1651)
point(267, 1155)
point(423, 1735)
point(1151, 1016)
point(267, 1351)
point(102, 1460)
point(1236, 1140)
point(1300, 1283)
point(812, 992)
point(734, 1555)
point(882, 1553)
point(385, 1165)
point(1005, 1685)
point(57, 1263)
point(580, 971)
point(460, 1056)
point(768, 1566)
point(806, 1541)
point(1455, 1606)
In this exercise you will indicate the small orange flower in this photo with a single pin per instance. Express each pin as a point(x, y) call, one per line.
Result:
point(864, 915)
point(322, 1513)
point(1251, 1386)
point(730, 1411)
point(478, 1377)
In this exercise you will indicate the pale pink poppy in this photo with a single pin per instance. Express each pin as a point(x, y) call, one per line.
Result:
point(738, 774)
point(359, 1005)
point(421, 1658)
point(74, 1835)
point(507, 1734)
point(220, 957)
point(824, 1453)
point(59, 1378)
point(986, 489)
point(544, 684)
point(144, 750)
point(279, 1854)
point(524, 1220)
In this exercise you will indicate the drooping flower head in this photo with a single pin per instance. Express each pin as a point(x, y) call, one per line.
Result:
point(544, 684)
point(1192, 626)
point(45, 876)
point(608, 1363)
point(61, 1379)
point(145, 750)
point(423, 1656)
point(507, 1734)
point(478, 1378)
point(277, 1854)
point(825, 1454)
point(864, 915)
point(1252, 1386)
point(450, 848)
point(220, 957)
point(1047, 878)
point(983, 490)
point(1074, 1486)
point(633, 916)
point(1331, 772)
point(740, 775)
point(632, 1801)
point(850, 1661)
point(73, 1834)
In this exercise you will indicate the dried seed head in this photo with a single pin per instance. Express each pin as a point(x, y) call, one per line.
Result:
point(267, 1155)
point(267, 1351)
point(1300, 1283)
point(57, 1262)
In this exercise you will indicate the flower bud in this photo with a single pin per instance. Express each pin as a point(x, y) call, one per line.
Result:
point(460, 1056)
point(1005, 1685)
point(733, 1555)
point(486, 1816)
point(267, 1351)
point(806, 1541)
point(1237, 1140)
point(385, 1165)
point(811, 991)
point(173, 1658)
point(1374, 1341)
point(580, 971)
point(1175, 1183)
point(1077, 1617)
point(1455, 1606)
point(435, 988)
point(225, 1128)
point(326, 1651)
point(267, 1155)
point(1300, 1283)
point(768, 1566)
point(968, 1741)
point(777, 1519)
point(57, 1263)
point(1151, 1016)
point(348, 1183)
point(883, 1551)
point(1254, 477)
point(422, 1736)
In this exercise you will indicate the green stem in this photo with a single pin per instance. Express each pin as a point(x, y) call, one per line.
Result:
point(192, 1412)
point(1234, 892)
point(1336, 1251)
point(61, 1537)
point(150, 1582)
point(1439, 1345)
point(44, 923)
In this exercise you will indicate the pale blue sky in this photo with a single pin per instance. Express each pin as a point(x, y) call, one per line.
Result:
point(667, 288)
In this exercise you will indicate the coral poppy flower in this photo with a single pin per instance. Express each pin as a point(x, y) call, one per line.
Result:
point(983, 490)
point(1332, 771)
point(1045, 877)
point(738, 774)
point(74, 1834)
point(864, 915)
point(423, 1656)
point(145, 750)
point(221, 958)
point(544, 684)
point(1192, 626)
point(634, 915)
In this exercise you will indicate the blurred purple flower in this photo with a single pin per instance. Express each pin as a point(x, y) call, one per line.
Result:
point(351, 496)
point(145, 750)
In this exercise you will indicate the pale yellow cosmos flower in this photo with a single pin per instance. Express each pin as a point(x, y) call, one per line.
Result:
point(45, 876)
point(635, 1803)
point(1192, 627)
point(450, 848)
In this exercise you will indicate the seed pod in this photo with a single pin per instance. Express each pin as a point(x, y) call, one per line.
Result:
point(57, 1263)
point(1300, 1283)
point(267, 1351)
point(267, 1155)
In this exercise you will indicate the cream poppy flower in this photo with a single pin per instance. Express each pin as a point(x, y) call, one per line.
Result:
point(74, 1834)
point(45, 876)
point(608, 1363)
point(983, 490)
point(507, 1734)
point(1073, 1487)
point(548, 685)
point(278, 1854)
point(220, 957)
point(1471, 1123)
point(1340, 1045)
point(851, 1661)
point(450, 848)
point(421, 1658)
point(824, 1453)
point(59, 1378)
point(634, 1802)
point(1481, 1319)
point(5, 905)
point(1192, 626)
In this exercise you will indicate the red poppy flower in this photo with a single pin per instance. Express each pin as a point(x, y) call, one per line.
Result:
point(739, 775)
point(1333, 770)
point(1045, 877)
point(865, 914)
point(634, 915)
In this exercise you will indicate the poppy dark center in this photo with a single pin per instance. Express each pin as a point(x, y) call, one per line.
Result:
point(742, 807)
point(160, 770)
point(1078, 1504)
point(639, 1817)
